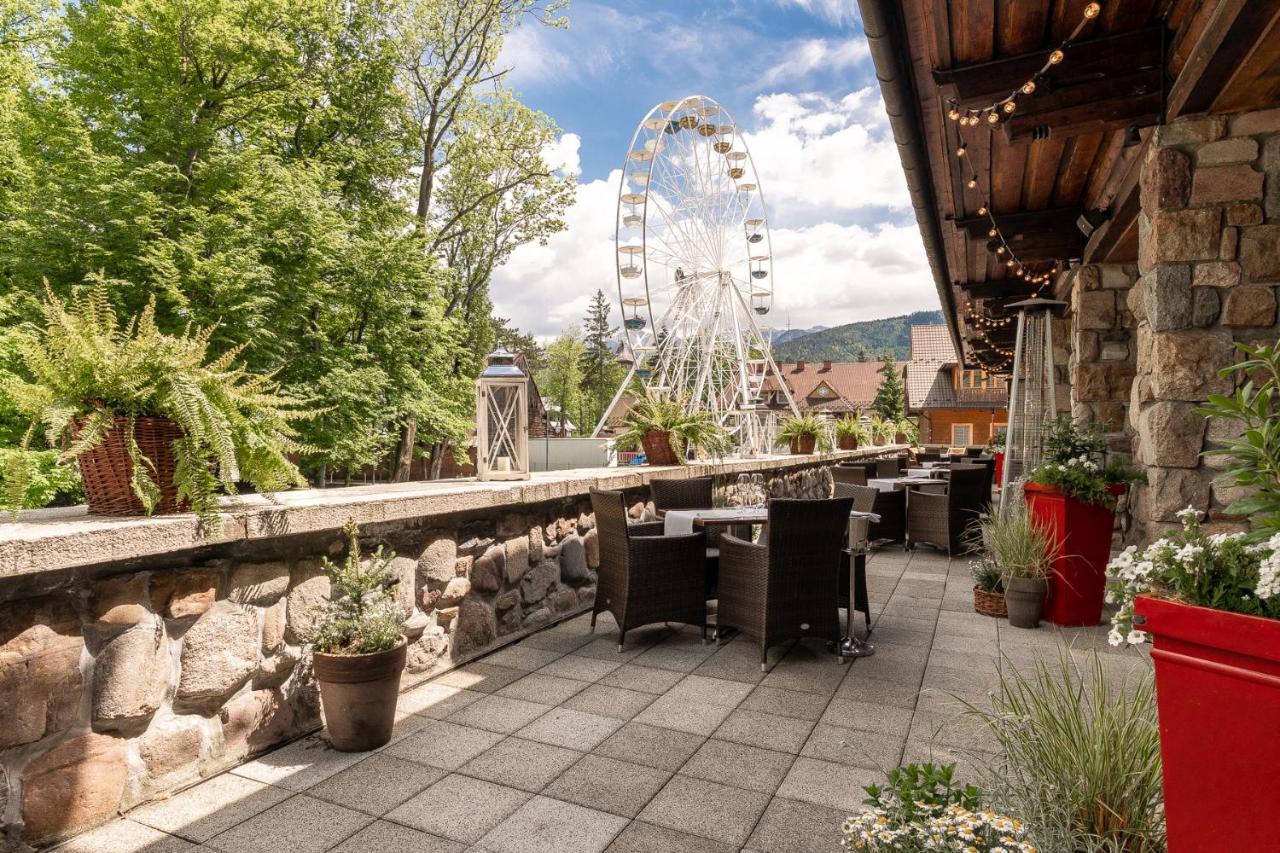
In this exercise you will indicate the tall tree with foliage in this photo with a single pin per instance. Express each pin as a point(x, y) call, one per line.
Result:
point(891, 397)
point(561, 381)
point(601, 372)
point(519, 342)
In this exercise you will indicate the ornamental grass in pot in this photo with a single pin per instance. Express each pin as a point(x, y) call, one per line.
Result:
point(1022, 551)
point(359, 649)
point(156, 422)
point(666, 430)
point(803, 434)
point(850, 433)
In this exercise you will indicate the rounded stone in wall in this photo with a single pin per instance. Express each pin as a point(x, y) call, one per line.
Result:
point(130, 676)
point(307, 601)
point(219, 654)
point(75, 785)
point(258, 583)
point(573, 560)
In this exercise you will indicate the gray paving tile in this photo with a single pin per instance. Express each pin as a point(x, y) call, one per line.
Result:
point(641, 837)
point(788, 826)
point(204, 810)
point(860, 688)
point(544, 825)
point(651, 746)
point(739, 765)
point(557, 641)
point(501, 714)
point(825, 783)
point(709, 809)
point(702, 690)
point(851, 746)
point(300, 824)
point(673, 711)
point(580, 668)
point(769, 731)
point(548, 689)
point(299, 765)
point(607, 784)
point(376, 785)
point(609, 701)
point(126, 836)
point(524, 764)
point(385, 837)
point(436, 700)
point(523, 656)
point(481, 677)
point(869, 717)
point(444, 745)
point(808, 671)
point(460, 808)
point(786, 703)
point(643, 678)
point(675, 659)
point(606, 648)
point(570, 729)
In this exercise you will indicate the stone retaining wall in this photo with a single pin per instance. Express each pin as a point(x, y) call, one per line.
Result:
point(123, 680)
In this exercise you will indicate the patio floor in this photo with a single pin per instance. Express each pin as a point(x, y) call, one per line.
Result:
point(559, 743)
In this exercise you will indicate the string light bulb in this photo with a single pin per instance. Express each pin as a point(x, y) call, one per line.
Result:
point(1028, 87)
point(1056, 57)
point(1010, 106)
point(982, 211)
point(1091, 11)
point(960, 151)
point(993, 117)
point(953, 114)
point(971, 183)
point(993, 232)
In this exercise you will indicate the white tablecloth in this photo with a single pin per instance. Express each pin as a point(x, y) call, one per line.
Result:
point(888, 484)
point(680, 521)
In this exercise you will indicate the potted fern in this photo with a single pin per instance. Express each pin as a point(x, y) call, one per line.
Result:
point(661, 425)
point(155, 423)
point(849, 433)
point(882, 429)
point(359, 649)
point(803, 433)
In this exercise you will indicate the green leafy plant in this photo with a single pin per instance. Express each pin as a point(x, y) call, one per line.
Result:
point(908, 429)
point(1074, 461)
point(802, 426)
point(1223, 571)
point(86, 371)
point(361, 615)
point(663, 413)
point(1079, 757)
point(998, 439)
point(882, 429)
point(1254, 457)
point(848, 426)
point(49, 480)
point(986, 575)
point(1012, 543)
point(923, 808)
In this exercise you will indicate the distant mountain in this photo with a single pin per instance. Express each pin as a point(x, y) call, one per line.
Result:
point(778, 336)
point(845, 343)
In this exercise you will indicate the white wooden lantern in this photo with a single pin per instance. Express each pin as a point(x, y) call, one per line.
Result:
point(502, 419)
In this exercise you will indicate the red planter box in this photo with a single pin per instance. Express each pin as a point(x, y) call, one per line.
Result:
point(1082, 532)
point(999, 472)
point(1218, 695)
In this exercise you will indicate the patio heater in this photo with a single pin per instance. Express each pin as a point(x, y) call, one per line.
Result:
point(1032, 401)
point(502, 419)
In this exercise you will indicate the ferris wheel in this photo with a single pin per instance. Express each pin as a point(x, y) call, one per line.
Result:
point(695, 267)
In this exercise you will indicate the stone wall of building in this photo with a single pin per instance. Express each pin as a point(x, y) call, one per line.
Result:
point(122, 681)
point(1209, 257)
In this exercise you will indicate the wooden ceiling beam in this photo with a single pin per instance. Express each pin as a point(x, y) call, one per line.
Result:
point(1088, 60)
point(1229, 34)
point(1142, 110)
point(998, 288)
point(1051, 220)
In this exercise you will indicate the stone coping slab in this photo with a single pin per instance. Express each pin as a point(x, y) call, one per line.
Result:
point(68, 538)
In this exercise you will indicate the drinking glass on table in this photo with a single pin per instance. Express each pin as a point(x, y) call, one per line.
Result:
point(743, 490)
point(759, 494)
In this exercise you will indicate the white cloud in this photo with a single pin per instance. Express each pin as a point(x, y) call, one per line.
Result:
point(838, 12)
point(826, 166)
point(562, 156)
point(808, 55)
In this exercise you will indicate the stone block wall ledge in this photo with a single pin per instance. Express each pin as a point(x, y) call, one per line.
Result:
point(137, 656)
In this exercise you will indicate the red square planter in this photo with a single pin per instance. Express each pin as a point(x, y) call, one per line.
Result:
point(1218, 695)
point(1082, 532)
point(999, 472)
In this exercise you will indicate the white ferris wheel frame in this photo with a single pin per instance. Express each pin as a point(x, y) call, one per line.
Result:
point(696, 302)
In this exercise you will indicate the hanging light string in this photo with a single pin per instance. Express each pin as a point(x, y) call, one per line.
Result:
point(991, 116)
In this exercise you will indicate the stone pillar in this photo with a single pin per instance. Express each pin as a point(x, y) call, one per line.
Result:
point(1209, 255)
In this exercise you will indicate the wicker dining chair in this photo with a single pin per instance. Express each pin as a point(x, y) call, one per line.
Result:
point(786, 588)
point(694, 493)
point(887, 468)
point(646, 577)
point(942, 519)
point(853, 474)
point(890, 506)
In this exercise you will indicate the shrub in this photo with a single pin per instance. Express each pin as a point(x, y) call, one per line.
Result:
point(663, 413)
point(1080, 761)
point(1074, 462)
point(361, 616)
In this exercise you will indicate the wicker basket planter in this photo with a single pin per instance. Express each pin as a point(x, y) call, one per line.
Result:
point(107, 469)
point(657, 448)
point(989, 603)
point(803, 444)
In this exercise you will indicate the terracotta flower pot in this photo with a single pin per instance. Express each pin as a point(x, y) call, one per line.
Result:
point(1081, 533)
point(107, 469)
point(803, 444)
point(658, 449)
point(847, 442)
point(359, 694)
point(1024, 600)
point(989, 603)
point(1218, 698)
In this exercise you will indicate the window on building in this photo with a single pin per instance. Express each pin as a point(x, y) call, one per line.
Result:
point(961, 435)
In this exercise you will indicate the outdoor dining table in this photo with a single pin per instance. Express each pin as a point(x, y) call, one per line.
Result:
point(681, 521)
point(888, 484)
point(936, 473)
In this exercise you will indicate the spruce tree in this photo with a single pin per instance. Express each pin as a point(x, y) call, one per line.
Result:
point(891, 398)
point(600, 370)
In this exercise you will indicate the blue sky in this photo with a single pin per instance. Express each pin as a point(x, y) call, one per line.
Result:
point(798, 79)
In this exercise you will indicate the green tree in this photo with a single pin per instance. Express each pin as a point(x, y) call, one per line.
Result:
point(890, 401)
point(520, 342)
point(863, 355)
point(561, 381)
point(601, 373)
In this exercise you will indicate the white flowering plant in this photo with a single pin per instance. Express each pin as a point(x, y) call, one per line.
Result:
point(922, 808)
point(1075, 461)
point(1221, 571)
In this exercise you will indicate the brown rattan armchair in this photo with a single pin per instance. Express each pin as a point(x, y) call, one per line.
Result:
point(786, 588)
point(887, 468)
point(890, 506)
point(694, 493)
point(646, 577)
point(941, 519)
point(853, 474)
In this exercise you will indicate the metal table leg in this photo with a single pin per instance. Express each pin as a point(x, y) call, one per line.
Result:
point(851, 646)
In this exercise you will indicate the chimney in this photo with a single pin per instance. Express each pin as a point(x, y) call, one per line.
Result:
point(799, 367)
point(826, 364)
